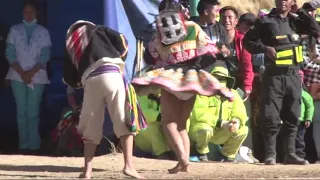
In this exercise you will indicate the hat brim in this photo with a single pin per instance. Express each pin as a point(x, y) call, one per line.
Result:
point(230, 80)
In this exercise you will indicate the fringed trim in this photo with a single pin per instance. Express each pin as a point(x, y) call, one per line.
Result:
point(138, 122)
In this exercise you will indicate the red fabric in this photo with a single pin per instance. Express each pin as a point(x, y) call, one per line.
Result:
point(244, 57)
point(76, 38)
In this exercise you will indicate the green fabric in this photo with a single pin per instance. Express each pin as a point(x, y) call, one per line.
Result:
point(192, 35)
point(307, 107)
point(149, 108)
point(152, 140)
point(206, 110)
point(193, 7)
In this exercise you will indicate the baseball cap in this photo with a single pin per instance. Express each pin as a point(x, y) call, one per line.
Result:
point(313, 4)
point(248, 18)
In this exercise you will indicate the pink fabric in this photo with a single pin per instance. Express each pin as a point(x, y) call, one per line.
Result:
point(207, 85)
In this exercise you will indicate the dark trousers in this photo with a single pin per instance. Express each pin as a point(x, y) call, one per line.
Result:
point(300, 144)
point(281, 100)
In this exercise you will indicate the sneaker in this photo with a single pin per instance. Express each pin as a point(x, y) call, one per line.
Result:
point(253, 158)
point(203, 158)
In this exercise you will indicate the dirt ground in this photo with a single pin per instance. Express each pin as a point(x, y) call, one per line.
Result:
point(109, 167)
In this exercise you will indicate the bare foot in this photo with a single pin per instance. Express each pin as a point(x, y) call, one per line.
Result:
point(132, 173)
point(85, 175)
point(179, 168)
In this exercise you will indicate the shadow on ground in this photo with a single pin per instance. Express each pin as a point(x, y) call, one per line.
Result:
point(42, 168)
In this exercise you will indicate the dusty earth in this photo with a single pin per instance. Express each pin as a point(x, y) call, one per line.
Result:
point(109, 167)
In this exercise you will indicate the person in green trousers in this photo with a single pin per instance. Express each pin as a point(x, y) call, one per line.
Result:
point(28, 49)
point(152, 140)
point(218, 121)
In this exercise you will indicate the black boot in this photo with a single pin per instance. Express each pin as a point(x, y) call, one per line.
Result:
point(292, 158)
point(270, 160)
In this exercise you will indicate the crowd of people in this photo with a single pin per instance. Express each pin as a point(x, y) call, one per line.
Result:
point(200, 73)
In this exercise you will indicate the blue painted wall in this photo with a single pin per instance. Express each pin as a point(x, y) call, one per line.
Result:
point(57, 16)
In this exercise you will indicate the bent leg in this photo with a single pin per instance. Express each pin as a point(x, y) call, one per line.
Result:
point(201, 134)
point(231, 141)
point(91, 122)
point(115, 98)
point(152, 140)
point(170, 111)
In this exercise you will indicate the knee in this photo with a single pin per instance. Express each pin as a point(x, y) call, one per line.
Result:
point(170, 125)
point(204, 134)
point(242, 132)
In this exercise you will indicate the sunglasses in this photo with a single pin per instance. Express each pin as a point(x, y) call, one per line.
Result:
point(220, 78)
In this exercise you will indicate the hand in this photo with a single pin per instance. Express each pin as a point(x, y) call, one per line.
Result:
point(307, 123)
point(226, 125)
point(25, 78)
point(235, 125)
point(225, 51)
point(246, 95)
point(270, 52)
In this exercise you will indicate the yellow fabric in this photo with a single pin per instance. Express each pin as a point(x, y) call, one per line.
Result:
point(284, 53)
point(285, 57)
point(206, 110)
point(203, 134)
point(318, 15)
point(202, 129)
point(152, 140)
point(284, 62)
point(299, 55)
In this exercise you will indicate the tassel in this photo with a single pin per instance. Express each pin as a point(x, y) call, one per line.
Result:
point(138, 122)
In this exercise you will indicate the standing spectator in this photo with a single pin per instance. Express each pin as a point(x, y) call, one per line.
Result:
point(240, 58)
point(311, 67)
point(245, 22)
point(209, 11)
point(307, 110)
point(28, 51)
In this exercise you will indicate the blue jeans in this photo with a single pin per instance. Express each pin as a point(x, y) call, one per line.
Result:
point(28, 106)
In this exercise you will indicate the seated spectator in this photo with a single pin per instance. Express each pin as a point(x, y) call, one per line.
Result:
point(307, 110)
point(152, 140)
point(239, 63)
point(216, 120)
